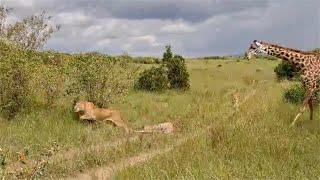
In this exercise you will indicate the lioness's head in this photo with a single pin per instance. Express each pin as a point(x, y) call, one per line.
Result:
point(83, 106)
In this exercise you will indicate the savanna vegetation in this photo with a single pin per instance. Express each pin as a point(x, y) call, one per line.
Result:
point(171, 74)
point(232, 116)
point(213, 141)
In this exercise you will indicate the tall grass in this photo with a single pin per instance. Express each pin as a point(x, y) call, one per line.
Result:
point(255, 142)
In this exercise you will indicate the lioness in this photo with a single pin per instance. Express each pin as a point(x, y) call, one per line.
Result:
point(88, 111)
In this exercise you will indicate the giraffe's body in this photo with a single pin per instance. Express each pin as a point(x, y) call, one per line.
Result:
point(307, 63)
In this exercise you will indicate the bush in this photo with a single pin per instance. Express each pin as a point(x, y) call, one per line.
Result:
point(157, 60)
point(214, 57)
point(296, 94)
point(177, 73)
point(173, 71)
point(126, 57)
point(14, 85)
point(51, 83)
point(28, 77)
point(145, 60)
point(285, 71)
point(316, 50)
point(102, 80)
point(154, 79)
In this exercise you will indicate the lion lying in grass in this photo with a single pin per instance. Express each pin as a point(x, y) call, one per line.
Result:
point(166, 128)
point(88, 111)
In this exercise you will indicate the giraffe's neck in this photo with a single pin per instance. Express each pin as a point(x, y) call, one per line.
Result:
point(291, 55)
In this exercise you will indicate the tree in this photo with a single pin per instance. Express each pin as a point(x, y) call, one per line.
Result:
point(177, 73)
point(31, 32)
point(167, 55)
point(3, 20)
point(316, 50)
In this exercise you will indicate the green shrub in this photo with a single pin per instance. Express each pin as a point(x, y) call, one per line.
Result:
point(177, 73)
point(157, 60)
point(102, 80)
point(53, 58)
point(172, 73)
point(14, 85)
point(44, 77)
point(51, 83)
point(145, 60)
point(154, 79)
point(285, 71)
point(126, 57)
point(296, 94)
point(214, 57)
point(167, 55)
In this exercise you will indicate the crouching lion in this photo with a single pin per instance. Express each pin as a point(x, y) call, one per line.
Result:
point(88, 111)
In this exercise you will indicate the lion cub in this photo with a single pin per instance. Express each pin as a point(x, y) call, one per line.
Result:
point(88, 111)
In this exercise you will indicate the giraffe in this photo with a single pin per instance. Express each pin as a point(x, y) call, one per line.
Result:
point(307, 63)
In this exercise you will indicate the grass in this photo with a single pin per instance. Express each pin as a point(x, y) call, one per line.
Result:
point(256, 142)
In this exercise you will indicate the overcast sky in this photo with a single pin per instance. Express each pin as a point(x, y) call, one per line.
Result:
point(192, 27)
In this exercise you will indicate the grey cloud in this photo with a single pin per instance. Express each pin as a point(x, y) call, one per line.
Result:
point(189, 10)
point(192, 27)
point(292, 24)
point(194, 11)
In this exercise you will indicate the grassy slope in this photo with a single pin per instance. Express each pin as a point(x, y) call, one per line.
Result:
point(256, 142)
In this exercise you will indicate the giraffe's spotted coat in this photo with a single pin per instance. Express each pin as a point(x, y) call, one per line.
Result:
point(308, 63)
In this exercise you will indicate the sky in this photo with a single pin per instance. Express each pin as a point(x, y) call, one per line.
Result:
point(191, 27)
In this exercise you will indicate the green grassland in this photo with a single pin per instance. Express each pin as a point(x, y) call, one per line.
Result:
point(254, 142)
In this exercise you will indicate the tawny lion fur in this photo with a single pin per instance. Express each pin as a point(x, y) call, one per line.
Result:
point(88, 111)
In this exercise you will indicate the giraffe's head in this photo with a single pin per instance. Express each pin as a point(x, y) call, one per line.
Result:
point(256, 47)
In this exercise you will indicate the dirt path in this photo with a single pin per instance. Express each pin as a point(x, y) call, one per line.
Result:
point(109, 171)
point(72, 153)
